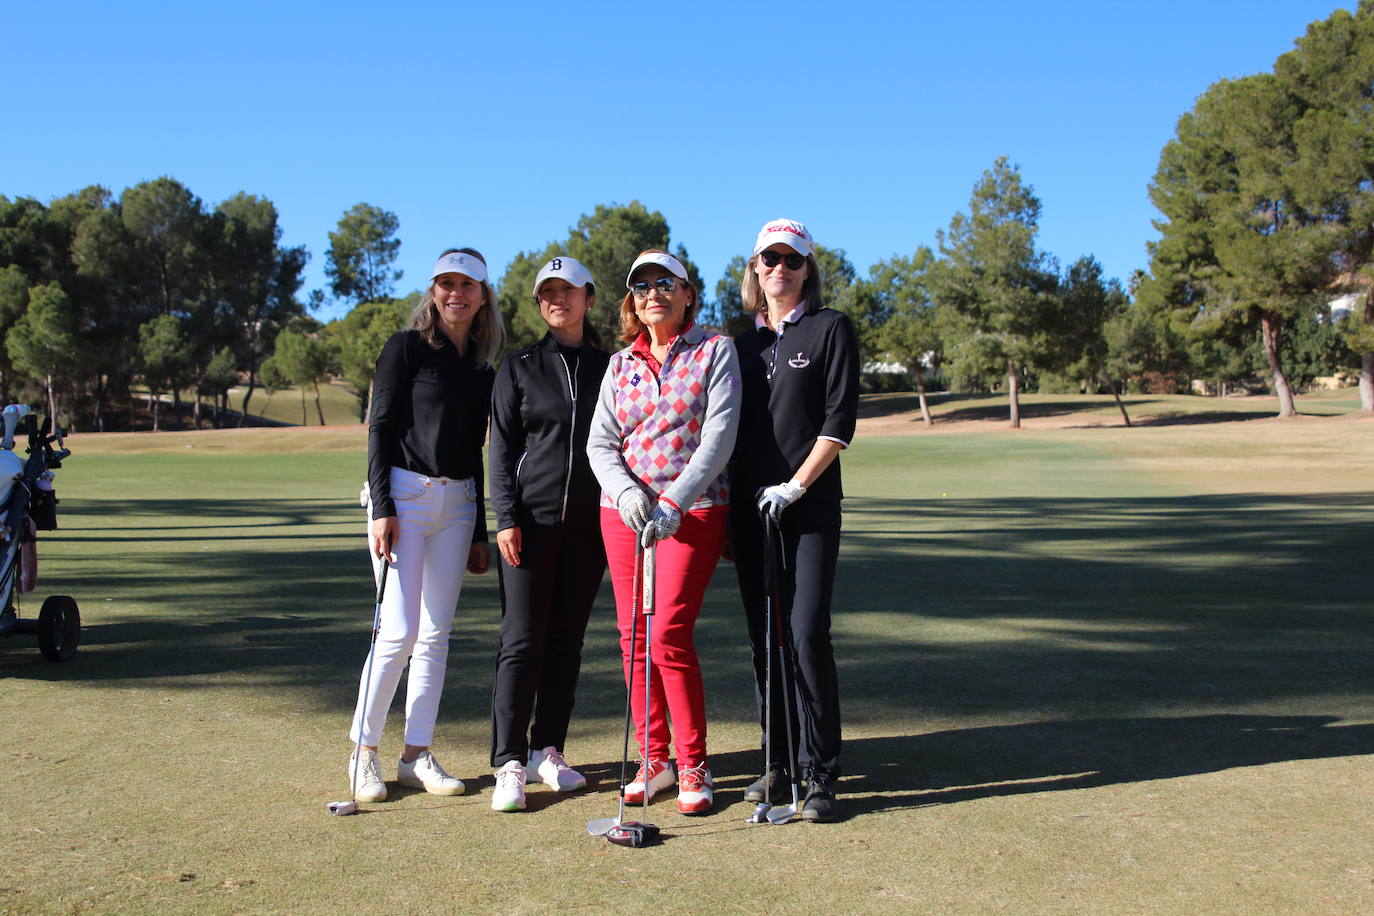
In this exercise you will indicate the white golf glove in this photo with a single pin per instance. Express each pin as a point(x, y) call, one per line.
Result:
point(662, 524)
point(634, 506)
point(772, 500)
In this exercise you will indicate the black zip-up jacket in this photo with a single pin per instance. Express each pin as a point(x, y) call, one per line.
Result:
point(541, 410)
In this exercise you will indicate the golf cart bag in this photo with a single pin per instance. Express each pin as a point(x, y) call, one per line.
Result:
point(28, 504)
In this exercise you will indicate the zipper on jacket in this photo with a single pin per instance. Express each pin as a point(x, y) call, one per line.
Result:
point(572, 436)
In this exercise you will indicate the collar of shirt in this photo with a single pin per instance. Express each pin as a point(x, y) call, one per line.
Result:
point(690, 335)
point(791, 317)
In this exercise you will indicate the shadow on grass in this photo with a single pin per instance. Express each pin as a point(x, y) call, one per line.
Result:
point(967, 764)
point(1108, 639)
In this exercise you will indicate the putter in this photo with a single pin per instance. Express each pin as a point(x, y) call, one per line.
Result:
point(760, 814)
point(601, 825)
point(641, 833)
point(773, 544)
point(351, 806)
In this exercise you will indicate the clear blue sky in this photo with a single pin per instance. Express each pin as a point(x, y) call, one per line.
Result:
point(498, 125)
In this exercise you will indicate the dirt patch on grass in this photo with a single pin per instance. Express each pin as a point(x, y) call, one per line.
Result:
point(900, 414)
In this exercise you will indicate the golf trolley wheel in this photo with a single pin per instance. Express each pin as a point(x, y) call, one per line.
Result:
point(59, 628)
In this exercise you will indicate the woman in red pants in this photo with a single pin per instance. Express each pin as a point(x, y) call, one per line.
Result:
point(663, 432)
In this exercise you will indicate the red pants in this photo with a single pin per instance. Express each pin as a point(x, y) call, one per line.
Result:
point(684, 563)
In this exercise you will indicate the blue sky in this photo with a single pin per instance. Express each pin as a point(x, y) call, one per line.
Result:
point(499, 125)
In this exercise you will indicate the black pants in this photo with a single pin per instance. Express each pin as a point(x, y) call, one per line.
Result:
point(545, 603)
point(810, 548)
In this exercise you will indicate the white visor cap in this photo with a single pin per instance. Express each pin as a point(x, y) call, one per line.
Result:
point(662, 259)
point(458, 262)
point(787, 231)
point(564, 268)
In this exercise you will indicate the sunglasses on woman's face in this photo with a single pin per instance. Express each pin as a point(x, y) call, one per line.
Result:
point(664, 285)
point(793, 260)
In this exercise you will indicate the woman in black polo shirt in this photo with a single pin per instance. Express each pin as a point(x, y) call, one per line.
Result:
point(431, 396)
point(548, 533)
point(800, 372)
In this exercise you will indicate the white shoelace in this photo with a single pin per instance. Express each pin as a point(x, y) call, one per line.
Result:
point(368, 769)
point(692, 779)
point(427, 762)
point(509, 779)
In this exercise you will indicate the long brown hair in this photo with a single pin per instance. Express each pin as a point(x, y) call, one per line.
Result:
point(488, 330)
point(630, 325)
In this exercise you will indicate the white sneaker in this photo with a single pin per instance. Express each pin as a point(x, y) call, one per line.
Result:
point(660, 777)
point(547, 766)
point(510, 788)
point(426, 773)
point(366, 778)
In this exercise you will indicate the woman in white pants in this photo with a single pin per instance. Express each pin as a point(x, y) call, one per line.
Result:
point(431, 397)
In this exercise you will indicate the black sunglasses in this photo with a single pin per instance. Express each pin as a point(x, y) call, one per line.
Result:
point(664, 285)
point(793, 260)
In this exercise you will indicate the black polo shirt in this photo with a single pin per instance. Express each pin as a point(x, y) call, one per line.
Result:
point(429, 415)
point(798, 386)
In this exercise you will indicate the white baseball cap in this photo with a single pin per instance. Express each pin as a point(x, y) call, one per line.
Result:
point(564, 268)
point(458, 262)
point(662, 259)
point(788, 231)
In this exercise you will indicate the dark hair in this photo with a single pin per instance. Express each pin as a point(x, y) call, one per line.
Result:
point(590, 335)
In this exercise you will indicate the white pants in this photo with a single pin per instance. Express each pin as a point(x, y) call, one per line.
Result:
point(436, 516)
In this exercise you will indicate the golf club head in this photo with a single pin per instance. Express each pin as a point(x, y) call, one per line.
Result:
point(600, 826)
point(633, 834)
point(779, 816)
point(760, 814)
point(339, 809)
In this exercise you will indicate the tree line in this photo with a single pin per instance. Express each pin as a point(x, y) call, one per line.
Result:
point(1266, 194)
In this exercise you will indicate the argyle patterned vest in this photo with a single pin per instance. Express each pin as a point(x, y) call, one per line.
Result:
point(660, 418)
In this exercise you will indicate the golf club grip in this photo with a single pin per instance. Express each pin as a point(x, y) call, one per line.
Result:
point(381, 582)
point(648, 602)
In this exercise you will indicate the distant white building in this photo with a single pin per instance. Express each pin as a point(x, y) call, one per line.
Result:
point(1343, 306)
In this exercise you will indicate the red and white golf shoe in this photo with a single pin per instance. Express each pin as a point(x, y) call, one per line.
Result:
point(695, 789)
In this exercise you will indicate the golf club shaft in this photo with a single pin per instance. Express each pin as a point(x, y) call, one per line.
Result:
point(768, 688)
point(648, 608)
point(636, 584)
point(773, 539)
point(361, 715)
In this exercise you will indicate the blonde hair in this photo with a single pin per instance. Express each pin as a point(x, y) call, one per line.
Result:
point(630, 325)
point(488, 330)
point(812, 291)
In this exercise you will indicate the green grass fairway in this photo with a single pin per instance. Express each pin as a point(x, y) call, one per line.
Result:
point(1084, 670)
point(340, 405)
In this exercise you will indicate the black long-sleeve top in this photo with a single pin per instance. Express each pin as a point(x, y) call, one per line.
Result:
point(429, 415)
point(797, 388)
point(541, 410)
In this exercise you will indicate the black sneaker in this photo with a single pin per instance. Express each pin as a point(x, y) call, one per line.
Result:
point(774, 783)
point(820, 805)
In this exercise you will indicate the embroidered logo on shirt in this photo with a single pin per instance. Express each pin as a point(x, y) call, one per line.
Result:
point(799, 361)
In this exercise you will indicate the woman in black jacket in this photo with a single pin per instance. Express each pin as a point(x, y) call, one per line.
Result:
point(548, 534)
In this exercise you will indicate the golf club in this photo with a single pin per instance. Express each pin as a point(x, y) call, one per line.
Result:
point(760, 814)
point(773, 544)
point(351, 806)
point(642, 833)
point(600, 825)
